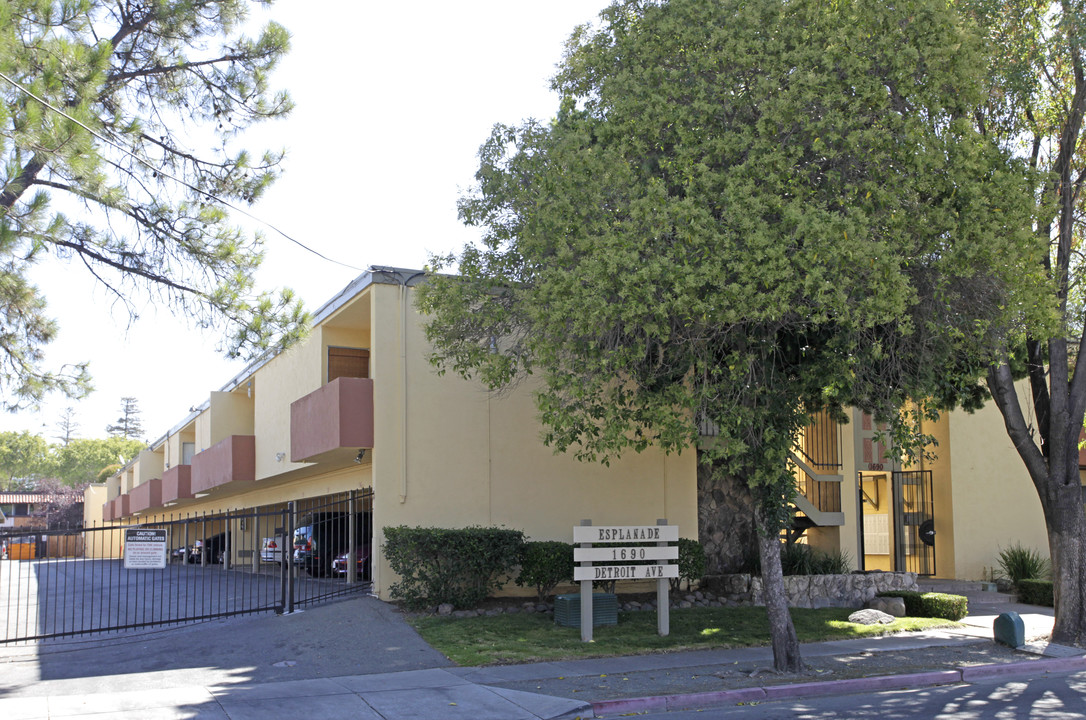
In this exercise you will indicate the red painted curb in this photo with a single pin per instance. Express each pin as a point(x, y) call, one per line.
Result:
point(865, 684)
point(631, 705)
point(694, 701)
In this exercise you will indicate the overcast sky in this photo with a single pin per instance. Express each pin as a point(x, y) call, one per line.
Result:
point(392, 103)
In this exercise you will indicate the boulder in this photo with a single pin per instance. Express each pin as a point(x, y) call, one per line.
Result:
point(868, 616)
point(890, 605)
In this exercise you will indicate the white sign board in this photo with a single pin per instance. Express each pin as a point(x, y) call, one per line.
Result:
point(144, 549)
point(625, 533)
point(625, 572)
point(625, 554)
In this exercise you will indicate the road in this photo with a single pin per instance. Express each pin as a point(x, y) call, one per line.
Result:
point(1050, 697)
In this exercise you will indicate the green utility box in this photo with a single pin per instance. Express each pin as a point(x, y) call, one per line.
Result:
point(567, 609)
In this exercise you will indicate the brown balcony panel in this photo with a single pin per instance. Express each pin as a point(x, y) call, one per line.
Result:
point(333, 422)
point(231, 461)
point(122, 507)
point(177, 483)
point(147, 495)
point(107, 511)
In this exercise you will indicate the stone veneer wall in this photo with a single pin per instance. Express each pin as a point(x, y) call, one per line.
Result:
point(813, 591)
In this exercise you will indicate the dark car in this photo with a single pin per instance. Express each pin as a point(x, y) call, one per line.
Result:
point(324, 535)
point(362, 563)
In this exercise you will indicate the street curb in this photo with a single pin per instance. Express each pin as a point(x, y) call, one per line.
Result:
point(983, 672)
point(694, 701)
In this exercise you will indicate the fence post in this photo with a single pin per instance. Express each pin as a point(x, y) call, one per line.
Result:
point(663, 597)
point(586, 597)
point(288, 551)
point(352, 541)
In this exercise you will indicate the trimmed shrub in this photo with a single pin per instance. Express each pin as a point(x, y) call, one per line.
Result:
point(457, 566)
point(1036, 592)
point(692, 563)
point(1019, 563)
point(933, 605)
point(544, 564)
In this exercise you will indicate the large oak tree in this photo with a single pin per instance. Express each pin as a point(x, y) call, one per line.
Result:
point(1035, 105)
point(745, 212)
point(119, 122)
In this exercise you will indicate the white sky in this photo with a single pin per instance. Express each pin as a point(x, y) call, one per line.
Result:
point(392, 103)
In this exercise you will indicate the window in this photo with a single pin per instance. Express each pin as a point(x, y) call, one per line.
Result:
point(348, 362)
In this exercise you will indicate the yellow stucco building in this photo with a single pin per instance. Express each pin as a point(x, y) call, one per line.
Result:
point(358, 407)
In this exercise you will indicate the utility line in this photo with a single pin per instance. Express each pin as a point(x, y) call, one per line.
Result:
point(179, 181)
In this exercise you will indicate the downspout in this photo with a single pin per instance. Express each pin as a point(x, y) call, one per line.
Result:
point(403, 385)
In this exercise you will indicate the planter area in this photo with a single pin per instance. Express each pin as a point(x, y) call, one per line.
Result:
point(811, 591)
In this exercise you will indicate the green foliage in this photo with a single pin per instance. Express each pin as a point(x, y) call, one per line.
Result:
point(24, 459)
point(932, 605)
point(1034, 591)
point(458, 566)
point(692, 563)
point(544, 564)
point(172, 85)
point(740, 242)
point(1020, 563)
point(802, 559)
point(82, 460)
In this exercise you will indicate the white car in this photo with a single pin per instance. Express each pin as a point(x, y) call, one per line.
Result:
point(272, 550)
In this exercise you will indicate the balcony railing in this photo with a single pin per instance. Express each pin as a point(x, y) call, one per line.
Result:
point(232, 460)
point(177, 483)
point(333, 422)
point(820, 444)
point(145, 496)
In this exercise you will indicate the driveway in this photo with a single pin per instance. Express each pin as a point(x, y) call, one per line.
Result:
point(355, 636)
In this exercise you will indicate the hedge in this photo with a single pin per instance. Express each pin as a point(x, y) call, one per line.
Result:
point(934, 605)
point(1036, 592)
point(544, 564)
point(461, 567)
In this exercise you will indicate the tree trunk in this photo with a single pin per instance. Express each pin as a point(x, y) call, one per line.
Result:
point(1066, 522)
point(1053, 466)
point(782, 632)
point(725, 521)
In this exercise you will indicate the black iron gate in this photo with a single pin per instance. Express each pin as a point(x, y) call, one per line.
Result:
point(914, 522)
point(74, 582)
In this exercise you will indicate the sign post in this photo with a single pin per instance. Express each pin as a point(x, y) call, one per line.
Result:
point(625, 562)
point(144, 548)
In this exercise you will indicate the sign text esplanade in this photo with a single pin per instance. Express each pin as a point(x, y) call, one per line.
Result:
point(625, 533)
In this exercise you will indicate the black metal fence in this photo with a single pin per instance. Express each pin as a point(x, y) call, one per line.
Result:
point(75, 582)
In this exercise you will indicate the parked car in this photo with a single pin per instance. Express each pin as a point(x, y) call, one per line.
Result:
point(362, 563)
point(324, 535)
point(271, 550)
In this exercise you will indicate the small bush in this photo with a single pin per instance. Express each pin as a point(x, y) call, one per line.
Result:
point(691, 563)
point(457, 566)
point(1036, 592)
point(1019, 563)
point(544, 564)
point(933, 605)
point(802, 559)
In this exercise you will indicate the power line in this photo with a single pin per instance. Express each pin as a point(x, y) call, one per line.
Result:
point(149, 166)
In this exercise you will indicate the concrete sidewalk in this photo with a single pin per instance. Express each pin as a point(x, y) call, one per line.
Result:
point(501, 693)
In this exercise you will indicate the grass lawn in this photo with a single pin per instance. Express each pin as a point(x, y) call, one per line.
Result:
point(530, 637)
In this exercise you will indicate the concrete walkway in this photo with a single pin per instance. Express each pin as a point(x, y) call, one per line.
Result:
point(440, 691)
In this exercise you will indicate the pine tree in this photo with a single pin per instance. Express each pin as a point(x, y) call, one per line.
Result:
point(119, 125)
point(128, 426)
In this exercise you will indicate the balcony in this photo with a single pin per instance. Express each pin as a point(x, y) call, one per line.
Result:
point(332, 423)
point(121, 507)
point(146, 496)
point(177, 484)
point(229, 462)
